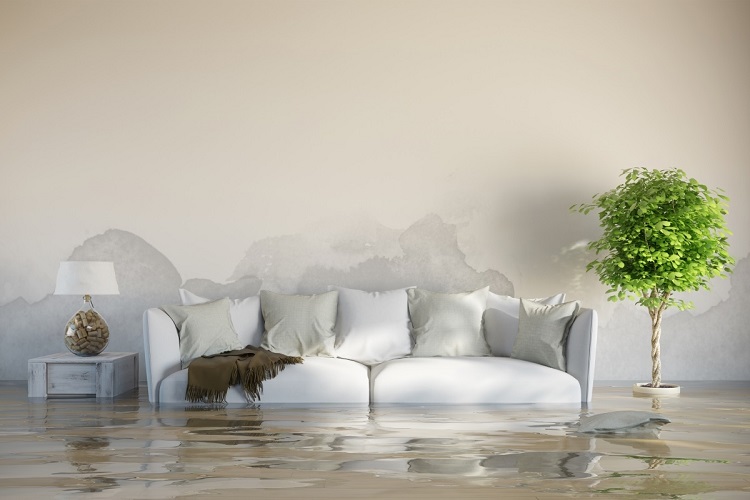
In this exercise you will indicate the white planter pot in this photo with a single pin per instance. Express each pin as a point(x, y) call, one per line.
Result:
point(669, 390)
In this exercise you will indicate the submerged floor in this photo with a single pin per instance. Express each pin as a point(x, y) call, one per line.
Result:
point(124, 448)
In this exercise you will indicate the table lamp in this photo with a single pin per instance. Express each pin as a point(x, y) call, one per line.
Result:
point(86, 334)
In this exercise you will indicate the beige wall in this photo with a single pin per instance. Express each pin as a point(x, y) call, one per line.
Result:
point(276, 139)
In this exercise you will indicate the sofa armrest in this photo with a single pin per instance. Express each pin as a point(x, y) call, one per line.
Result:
point(161, 349)
point(581, 351)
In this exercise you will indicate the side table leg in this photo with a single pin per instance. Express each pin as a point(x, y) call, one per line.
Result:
point(37, 380)
point(105, 380)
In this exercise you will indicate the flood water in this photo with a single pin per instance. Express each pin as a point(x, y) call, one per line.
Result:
point(125, 448)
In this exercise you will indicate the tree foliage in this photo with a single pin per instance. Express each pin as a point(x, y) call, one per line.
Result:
point(663, 233)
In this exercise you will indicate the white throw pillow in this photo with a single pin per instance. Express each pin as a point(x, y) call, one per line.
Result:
point(299, 325)
point(543, 332)
point(245, 313)
point(501, 320)
point(372, 327)
point(204, 329)
point(448, 324)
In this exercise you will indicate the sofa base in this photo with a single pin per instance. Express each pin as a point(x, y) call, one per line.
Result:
point(470, 380)
point(424, 381)
point(317, 380)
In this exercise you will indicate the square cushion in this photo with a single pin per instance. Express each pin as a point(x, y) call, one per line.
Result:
point(501, 320)
point(448, 324)
point(372, 327)
point(543, 332)
point(204, 329)
point(299, 325)
point(245, 314)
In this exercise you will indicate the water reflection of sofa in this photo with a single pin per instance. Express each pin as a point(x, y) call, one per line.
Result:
point(545, 464)
point(376, 354)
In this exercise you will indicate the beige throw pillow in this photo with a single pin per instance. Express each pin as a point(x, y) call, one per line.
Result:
point(299, 325)
point(245, 314)
point(501, 320)
point(447, 324)
point(204, 329)
point(543, 332)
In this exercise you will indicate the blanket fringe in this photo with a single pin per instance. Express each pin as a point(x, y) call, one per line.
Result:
point(203, 395)
point(234, 378)
point(252, 380)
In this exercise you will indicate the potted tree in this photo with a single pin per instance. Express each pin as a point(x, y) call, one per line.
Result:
point(663, 233)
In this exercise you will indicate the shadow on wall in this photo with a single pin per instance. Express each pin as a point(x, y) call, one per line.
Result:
point(714, 345)
point(428, 256)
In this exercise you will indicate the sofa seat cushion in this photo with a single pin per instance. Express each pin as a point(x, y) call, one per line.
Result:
point(470, 380)
point(317, 380)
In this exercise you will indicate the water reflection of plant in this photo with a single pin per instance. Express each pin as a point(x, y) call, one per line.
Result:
point(663, 486)
point(678, 461)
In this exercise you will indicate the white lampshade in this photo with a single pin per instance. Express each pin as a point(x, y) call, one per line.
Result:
point(86, 278)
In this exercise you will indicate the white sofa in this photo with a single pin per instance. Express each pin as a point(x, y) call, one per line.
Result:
point(496, 379)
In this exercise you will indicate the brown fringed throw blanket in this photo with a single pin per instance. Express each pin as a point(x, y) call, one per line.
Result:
point(209, 377)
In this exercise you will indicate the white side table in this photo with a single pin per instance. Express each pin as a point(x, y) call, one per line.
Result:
point(65, 374)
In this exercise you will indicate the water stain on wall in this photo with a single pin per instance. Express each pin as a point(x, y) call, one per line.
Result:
point(146, 278)
point(426, 254)
point(280, 261)
point(431, 259)
point(713, 345)
point(243, 287)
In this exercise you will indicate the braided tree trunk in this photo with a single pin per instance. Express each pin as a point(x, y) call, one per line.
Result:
point(656, 313)
point(655, 346)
